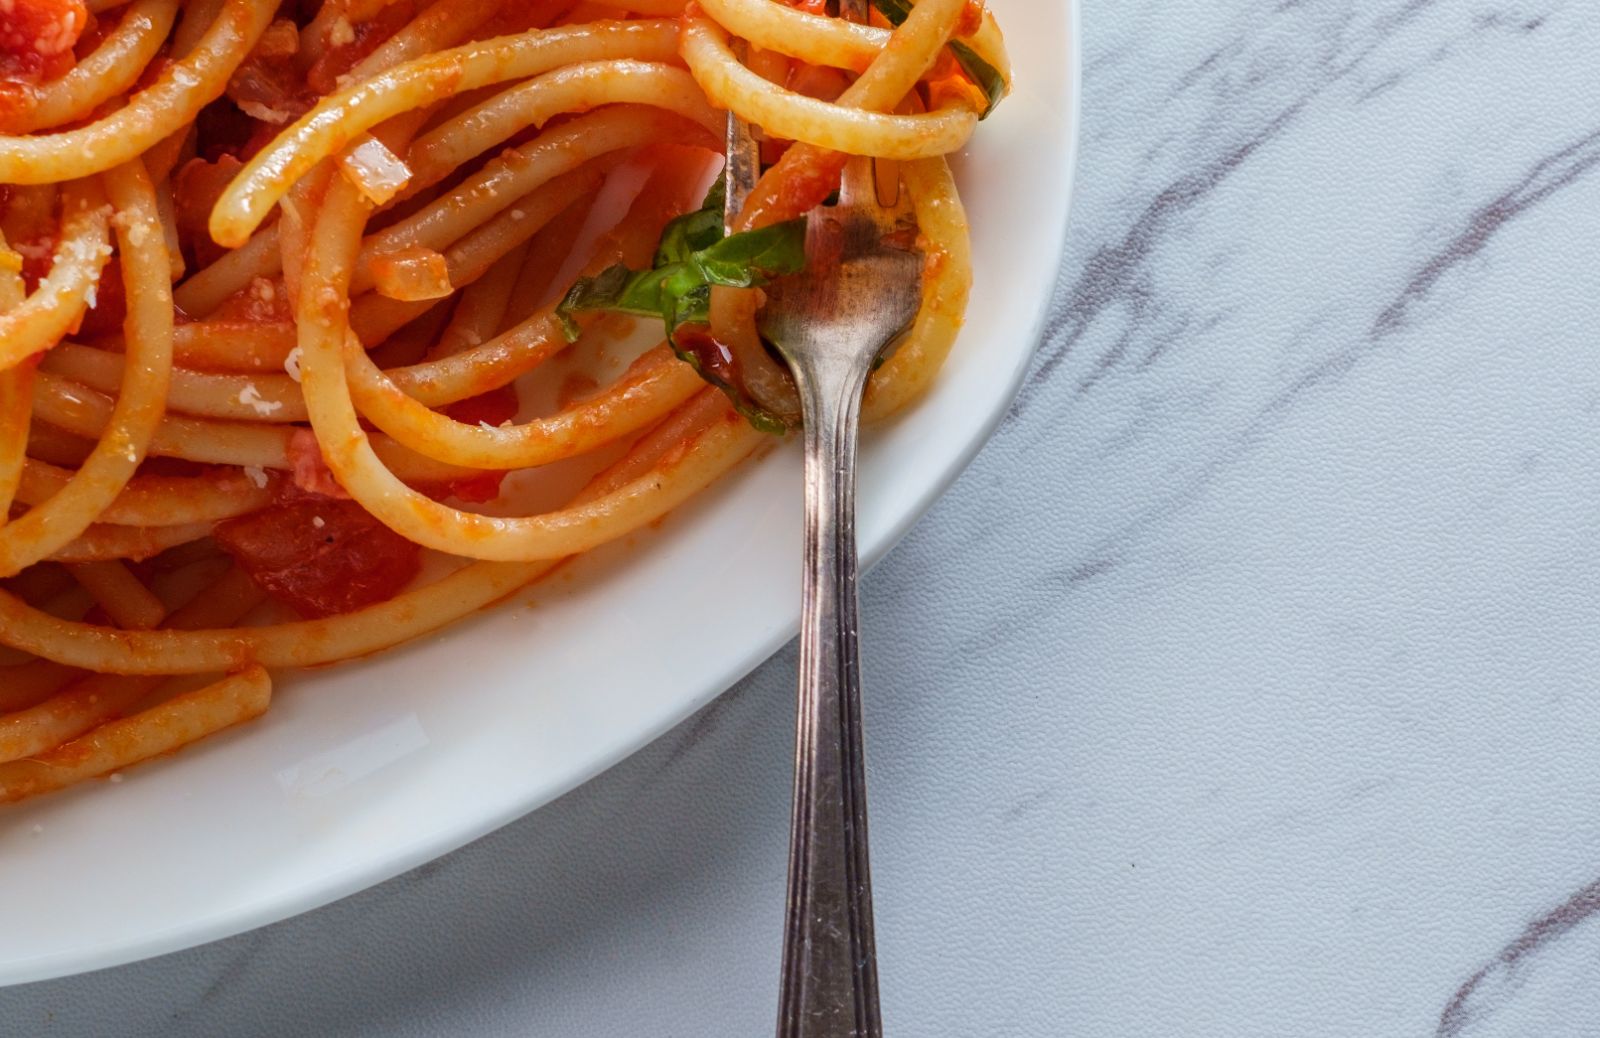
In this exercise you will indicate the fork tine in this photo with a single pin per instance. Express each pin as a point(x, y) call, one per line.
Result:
point(743, 161)
point(858, 183)
point(861, 184)
point(897, 205)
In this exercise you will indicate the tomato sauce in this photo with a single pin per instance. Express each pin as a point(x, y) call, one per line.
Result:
point(364, 38)
point(496, 407)
point(711, 355)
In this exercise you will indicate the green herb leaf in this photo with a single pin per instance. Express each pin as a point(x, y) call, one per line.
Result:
point(693, 231)
point(982, 73)
point(616, 288)
point(979, 71)
point(693, 255)
point(754, 257)
point(895, 11)
point(692, 307)
point(716, 195)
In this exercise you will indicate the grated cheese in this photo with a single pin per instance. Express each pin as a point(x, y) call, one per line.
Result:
point(251, 397)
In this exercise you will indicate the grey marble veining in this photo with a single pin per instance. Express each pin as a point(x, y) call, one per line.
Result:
point(1248, 684)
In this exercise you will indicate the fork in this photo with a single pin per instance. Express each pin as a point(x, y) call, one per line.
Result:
point(830, 323)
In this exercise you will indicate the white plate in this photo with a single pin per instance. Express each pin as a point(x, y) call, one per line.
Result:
point(361, 772)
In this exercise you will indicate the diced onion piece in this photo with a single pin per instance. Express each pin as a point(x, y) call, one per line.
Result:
point(376, 172)
point(411, 273)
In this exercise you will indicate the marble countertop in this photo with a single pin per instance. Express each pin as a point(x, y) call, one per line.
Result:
point(1248, 684)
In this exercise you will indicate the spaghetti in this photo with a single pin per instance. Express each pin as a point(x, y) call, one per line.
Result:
point(281, 318)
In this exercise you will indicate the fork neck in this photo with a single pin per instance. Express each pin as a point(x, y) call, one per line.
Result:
point(830, 385)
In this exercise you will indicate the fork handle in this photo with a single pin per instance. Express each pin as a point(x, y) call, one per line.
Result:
point(829, 987)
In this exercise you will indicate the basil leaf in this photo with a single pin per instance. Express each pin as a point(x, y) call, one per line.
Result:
point(693, 255)
point(688, 234)
point(694, 231)
point(985, 75)
point(982, 73)
point(716, 195)
point(616, 288)
point(755, 257)
point(692, 307)
point(893, 11)
point(599, 291)
point(596, 293)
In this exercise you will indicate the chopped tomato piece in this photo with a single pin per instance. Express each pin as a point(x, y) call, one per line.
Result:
point(197, 186)
point(810, 183)
point(37, 36)
point(801, 182)
point(309, 472)
point(320, 557)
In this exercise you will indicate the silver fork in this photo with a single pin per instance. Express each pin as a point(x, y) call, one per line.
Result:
point(831, 322)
